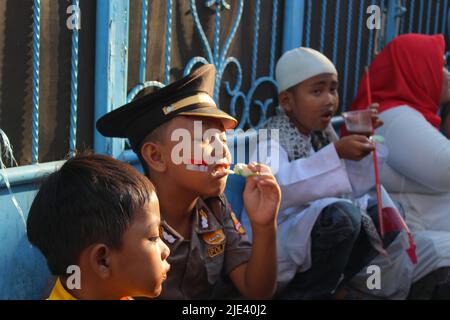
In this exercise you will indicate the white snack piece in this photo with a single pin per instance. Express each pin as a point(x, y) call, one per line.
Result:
point(243, 170)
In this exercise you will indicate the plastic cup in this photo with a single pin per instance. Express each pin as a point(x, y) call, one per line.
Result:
point(359, 122)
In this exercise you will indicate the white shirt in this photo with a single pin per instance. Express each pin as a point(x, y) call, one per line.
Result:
point(308, 185)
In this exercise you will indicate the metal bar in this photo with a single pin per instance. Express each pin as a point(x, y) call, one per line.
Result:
point(216, 46)
point(429, 16)
point(294, 16)
point(370, 45)
point(358, 48)
point(444, 16)
point(168, 42)
point(347, 53)
point(411, 15)
point(308, 24)
point(420, 17)
point(28, 174)
point(391, 25)
point(111, 66)
point(323, 22)
point(436, 19)
point(336, 30)
point(143, 53)
point(36, 63)
point(255, 40)
point(74, 83)
point(273, 40)
point(402, 22)
point(381, 37)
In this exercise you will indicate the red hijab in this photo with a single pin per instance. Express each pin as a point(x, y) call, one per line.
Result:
point(408, 71)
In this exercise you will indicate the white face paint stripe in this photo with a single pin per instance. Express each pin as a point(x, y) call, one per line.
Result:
point(197, 167)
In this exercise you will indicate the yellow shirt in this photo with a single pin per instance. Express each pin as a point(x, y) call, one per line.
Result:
point(60, 293)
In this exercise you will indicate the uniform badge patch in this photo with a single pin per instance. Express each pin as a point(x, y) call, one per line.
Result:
point(214, 237)
point(204, 219)
point(237, 225)
point(216, 250)
point(167, 236)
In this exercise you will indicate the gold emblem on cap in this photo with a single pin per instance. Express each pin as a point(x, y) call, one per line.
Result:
point(198, 98)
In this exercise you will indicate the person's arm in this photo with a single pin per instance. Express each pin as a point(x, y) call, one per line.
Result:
point(417, 150)
point(398, 183)
point(321, 175)
point(362, 173)
point(256, 279)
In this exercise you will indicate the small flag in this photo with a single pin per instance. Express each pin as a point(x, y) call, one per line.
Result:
point(393, 222)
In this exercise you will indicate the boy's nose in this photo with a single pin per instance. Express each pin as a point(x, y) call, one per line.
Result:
point(165, 252)
point(330, 97)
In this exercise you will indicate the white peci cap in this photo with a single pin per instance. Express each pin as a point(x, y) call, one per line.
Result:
point(300, 64)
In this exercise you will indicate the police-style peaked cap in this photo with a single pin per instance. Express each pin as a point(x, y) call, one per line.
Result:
point(189, 96)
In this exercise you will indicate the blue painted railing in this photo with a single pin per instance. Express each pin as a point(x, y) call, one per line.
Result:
point(215, 54)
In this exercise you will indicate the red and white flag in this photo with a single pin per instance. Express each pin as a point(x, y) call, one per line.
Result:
point(393, 222)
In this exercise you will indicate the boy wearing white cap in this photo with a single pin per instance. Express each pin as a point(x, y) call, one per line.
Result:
point(326, 223)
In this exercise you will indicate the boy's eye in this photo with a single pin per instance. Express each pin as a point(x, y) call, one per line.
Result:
point(154, 239)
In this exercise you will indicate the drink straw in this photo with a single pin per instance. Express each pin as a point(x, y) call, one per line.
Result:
point(375, 162)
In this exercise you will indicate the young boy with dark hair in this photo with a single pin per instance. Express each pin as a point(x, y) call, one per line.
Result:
point(209, 246)
point(98, 219)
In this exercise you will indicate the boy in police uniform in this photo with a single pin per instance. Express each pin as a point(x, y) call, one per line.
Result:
point(208, 245)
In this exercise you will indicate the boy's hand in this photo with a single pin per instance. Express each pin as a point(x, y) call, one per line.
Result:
point(376, 122)
point(262, 196)
point(354, 147)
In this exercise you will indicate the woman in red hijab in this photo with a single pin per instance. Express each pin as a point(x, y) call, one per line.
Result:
point(409, 71)
point(409, 81)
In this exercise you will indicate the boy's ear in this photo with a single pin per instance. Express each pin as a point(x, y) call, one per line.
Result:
point(100, 260)
point(153, 157)
point(285, 101)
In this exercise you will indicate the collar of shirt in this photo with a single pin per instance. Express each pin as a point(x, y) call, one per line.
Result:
point(60, 293)
point(204, 221)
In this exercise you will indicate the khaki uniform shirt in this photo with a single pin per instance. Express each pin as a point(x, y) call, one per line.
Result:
point(200, 266)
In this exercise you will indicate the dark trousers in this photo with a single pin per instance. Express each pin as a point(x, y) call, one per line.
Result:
point(339, 250)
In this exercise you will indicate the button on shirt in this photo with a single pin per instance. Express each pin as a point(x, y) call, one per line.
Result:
point(217, 246)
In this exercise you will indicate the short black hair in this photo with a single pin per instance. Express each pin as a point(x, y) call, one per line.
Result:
point(91, 199)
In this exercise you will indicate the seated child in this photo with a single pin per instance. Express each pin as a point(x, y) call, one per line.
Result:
point(96, 220)
point(179, 135)
point(326, 231)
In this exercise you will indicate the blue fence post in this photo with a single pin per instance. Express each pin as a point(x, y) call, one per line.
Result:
point(395, 11)
point(391, 21)
point(111, 66)
point(294, 14)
